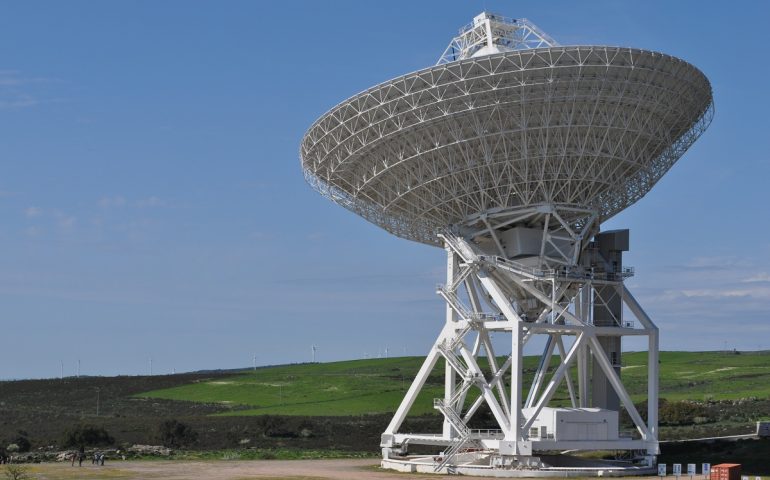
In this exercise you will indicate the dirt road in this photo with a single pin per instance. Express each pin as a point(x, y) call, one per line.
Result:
point(358, 469)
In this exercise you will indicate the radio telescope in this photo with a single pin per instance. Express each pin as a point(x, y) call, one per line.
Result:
point(510, 153)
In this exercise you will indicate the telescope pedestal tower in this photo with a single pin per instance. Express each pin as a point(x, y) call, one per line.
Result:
point(553, 288)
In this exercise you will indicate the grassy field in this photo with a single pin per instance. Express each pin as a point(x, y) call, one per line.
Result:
point(343, 405)
point(702, 375)
point(341, 388)
point(377, 385)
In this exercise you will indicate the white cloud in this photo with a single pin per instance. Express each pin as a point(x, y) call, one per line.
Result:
point(10, 78)
point(17, 100)
point(33, 231)
point(707, 295)
point(721, 293)
point(726, 262)
point(65, 222)
point(112, 202)
point(150, 202)
point(11, 95)
point(758, 278)
point(118, 201)
point(19, 91)
point(32, 212)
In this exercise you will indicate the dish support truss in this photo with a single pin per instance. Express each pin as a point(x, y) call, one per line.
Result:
point(497, 33)
point(488, 293)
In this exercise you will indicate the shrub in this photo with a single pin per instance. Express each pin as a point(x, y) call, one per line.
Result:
point(672, 413)
point(16, 472)
point(87, 435)
point(266, 455)
point(175, 434)
point(305, 429)
point(681, 413)
point(273, 426)
point(22, 443)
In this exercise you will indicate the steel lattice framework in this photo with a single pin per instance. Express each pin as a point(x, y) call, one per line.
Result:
point(580, 126)
point(510, 153)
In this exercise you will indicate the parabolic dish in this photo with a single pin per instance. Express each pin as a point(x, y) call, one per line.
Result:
point(583, 126)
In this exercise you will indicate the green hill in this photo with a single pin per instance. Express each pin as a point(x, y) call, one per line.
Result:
point(340, 388)
point(377, 385)
point(344, 406)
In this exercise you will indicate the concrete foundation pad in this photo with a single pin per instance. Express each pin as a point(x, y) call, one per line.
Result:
point(557, 466)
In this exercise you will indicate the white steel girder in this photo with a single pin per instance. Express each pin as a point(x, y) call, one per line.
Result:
point(564, 304)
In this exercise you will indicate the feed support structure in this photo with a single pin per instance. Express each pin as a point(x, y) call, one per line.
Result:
point(510, 153)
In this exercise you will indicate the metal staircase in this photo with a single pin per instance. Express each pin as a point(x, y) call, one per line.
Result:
point(452, 359)
point(463, 432)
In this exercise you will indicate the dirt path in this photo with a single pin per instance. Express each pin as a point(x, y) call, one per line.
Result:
point(358, 469)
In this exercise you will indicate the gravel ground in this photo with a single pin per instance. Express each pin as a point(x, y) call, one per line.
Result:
point(343, 469)
point(356, 469)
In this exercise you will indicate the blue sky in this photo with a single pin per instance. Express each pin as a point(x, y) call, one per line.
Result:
point(152, 202)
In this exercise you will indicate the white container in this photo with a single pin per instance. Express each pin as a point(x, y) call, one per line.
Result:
point(573, 424)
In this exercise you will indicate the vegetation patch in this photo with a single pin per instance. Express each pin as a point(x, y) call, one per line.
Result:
point(333, 407)
point(373, 386)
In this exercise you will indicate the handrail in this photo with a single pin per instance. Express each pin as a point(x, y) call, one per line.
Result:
point(486, 432)
point(565, 273)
